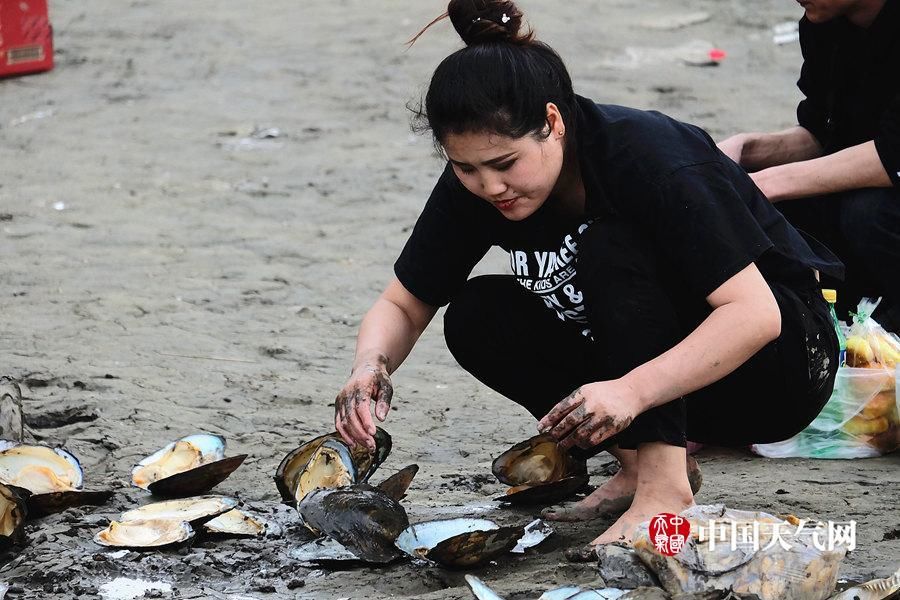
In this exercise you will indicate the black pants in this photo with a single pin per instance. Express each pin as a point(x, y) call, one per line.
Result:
point(509, 340)
point(863, 228)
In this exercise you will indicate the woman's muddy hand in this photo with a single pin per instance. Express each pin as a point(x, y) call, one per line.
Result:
point(591, 414)
point(369, 382)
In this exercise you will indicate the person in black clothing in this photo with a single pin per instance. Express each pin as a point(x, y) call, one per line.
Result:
point(649, 275)
point(835, 175)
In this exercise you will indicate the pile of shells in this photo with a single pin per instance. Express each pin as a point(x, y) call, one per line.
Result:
point(328, 483)
point(186, 467)
point(175, 522)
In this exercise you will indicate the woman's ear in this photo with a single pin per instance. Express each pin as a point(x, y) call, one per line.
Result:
point(555, 121)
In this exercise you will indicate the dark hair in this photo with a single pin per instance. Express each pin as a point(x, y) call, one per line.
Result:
point(500, 82)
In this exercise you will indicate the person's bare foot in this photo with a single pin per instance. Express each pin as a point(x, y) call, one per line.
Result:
point(641, 510)
point(662, 487)
point(615, 495)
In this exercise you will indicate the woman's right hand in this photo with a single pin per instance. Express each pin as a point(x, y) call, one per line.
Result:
point(352, 408)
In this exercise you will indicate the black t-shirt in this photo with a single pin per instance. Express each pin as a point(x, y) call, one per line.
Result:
point(666, 177)
point(851, 80)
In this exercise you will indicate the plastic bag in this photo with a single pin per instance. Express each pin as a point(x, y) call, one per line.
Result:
point(862, 417)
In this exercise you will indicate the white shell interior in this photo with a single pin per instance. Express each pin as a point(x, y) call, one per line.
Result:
point(211, 448)
point(39, 469)
point(481, 590)
point(418, 539)
point(188, 509)
point(234, 522)
point(144, 533)
point(330, 466)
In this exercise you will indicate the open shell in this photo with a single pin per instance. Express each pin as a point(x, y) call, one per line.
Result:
point(150, 533)
point(52, 475)
point(539, 471)
point(459, 543)
point(192, 465)
point(13, 511)
point(328, 462)
point(39, 469)
point(363, 519)
point(236, 523)
point(192, 510)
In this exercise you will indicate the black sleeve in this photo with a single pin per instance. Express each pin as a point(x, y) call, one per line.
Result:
point(812, 112)
point(887, 140)
point(448, 240)
point(702, 225)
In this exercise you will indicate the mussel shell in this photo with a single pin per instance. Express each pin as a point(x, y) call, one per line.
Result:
point(13, 512)
point(197, 480)
point(364, 464)
point(396, 485)
point(363, 519)
point(59, 460)
point(211, 448)
point(459, 543)
point(469, 550)
point(234, 523)
point(550, 462)
point(547, 493)
point(41, 505)
point(195, 511)
point(125, 534)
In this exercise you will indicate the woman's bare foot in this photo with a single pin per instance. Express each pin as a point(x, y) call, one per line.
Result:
point(616, 494)
point(660, 489)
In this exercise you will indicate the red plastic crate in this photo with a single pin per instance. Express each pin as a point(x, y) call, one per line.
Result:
point(26, 37)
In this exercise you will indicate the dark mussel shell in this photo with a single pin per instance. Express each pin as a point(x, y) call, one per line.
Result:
point(540, 471)
point(545, 493)
point(41, 505)
point(459, 543)
point(288, 473)
point(469, 550)
point(396, 485)
point(197, 480)
point(363, 519)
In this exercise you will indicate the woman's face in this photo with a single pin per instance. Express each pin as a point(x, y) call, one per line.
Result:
point(516, 175)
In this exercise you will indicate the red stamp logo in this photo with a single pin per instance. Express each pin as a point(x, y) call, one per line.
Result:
point(669, 533)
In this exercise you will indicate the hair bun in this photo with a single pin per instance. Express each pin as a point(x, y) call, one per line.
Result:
point(486, 21)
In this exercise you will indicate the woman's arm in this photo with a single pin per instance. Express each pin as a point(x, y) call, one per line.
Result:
point(756, 151)
point(853, 168)
point(745, 318)
point(386, 336)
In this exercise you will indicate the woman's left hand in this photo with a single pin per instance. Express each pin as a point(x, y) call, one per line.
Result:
point(591, 414)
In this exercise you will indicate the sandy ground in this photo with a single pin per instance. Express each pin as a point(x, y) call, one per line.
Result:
point(166, 271)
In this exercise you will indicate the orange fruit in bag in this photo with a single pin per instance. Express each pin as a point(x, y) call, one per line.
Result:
point(882, 405)
point(859, 425)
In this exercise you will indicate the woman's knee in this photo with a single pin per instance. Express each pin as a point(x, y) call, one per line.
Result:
point(468, 316)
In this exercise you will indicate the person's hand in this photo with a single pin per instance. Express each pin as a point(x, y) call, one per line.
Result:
point(733, 147)
point(770, 184)
point(352, 407)
point(591, 414)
